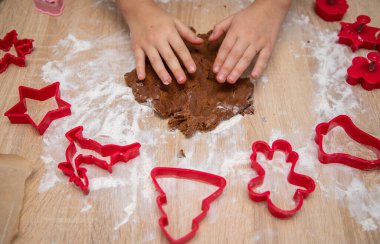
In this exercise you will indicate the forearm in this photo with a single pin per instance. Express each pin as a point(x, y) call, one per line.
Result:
point(129, 6)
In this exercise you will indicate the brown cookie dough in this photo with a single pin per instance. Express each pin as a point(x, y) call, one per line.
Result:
point(201, 103)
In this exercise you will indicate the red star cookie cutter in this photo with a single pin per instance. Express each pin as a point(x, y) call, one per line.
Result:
point(293, 178)
point(22, 47)
point(17, 114)
point(190, 174)
point(357, 135)
point(331, 10)
point(77, 174)
point(365, 71)
point(359, 34)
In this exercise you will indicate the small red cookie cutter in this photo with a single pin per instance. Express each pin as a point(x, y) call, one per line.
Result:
point(331, 10)
point(17, 114)
point(190, 174)
point(357, 135)
point(293, 178)
point(22, 47)
point(359, 34)
point(71, 167)
point(50, 7)
point(365, 71)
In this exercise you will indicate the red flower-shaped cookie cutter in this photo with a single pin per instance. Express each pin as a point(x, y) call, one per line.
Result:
point(359, 34)
point(17, 114)
point(365, 72)
point(293, 178)
point(22, 47)
point(357, 135)
point(190, 174)
point(71, 167)
point(331, 10)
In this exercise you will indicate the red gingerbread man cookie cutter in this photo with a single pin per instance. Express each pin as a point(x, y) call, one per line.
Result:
point(71, 167)
point(359, 34)
point(294, 178)
point(190, 174)
point(357, 135)
point(331, 10)
point(365, 71)
point(22, 47)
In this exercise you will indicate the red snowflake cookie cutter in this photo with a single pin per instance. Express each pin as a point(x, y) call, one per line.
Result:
point(331, 10)
point(190, 174)
point(17, 114)
point(359, 34)
point(71, 167)
point(22, 47)
point(357, 135)
point(365, 71)
point(293, 178)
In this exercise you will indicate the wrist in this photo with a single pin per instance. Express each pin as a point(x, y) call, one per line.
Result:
point(130, 6)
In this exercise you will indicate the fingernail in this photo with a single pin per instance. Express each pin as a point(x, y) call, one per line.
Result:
point(140, 76)
point(221, 77)
point(231, 78)
point(167, 80)
point(192, 68)
point(216, 68)
point(181, 79)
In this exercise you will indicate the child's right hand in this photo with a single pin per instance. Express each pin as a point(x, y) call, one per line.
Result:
point(157, 35)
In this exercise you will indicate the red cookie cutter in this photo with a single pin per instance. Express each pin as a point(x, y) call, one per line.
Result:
point(17, 114)
point(22, 47)
point(293, 178)
point(190, 174)
point(50, 7)
point(331, 10)
point(359, 34)
point(365, 72)
point(71, 167)
point(357, 135)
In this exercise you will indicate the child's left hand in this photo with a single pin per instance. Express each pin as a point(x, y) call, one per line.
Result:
point(250, 32)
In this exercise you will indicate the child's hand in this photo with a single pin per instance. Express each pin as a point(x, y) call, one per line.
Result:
point(157, 34)
point(250, 32)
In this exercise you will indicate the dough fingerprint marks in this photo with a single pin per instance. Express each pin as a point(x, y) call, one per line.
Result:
point(201, 103)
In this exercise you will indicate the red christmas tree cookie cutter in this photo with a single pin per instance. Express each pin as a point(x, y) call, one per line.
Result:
point(17, 114)
point(22, 47)
point(357, 135)
point(365, 71)
point(190, 174)
point(71, 167)
point(359, 34)
point(331, 10)
point(293, 178)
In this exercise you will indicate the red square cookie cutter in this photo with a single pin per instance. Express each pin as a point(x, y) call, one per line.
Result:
point(190, 174)
point(357, 135)
point(22, 47)
point(17, 114)
point(359, 34)
point(331, 10)
point(71, 167)
point(365, 71)
point(293, 178)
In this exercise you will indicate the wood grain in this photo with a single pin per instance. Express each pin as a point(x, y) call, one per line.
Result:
point(284, 103)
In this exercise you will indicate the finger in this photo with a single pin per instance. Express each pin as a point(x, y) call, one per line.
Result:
point(140, 63)
point(242, 65)
point(172, 61)
point(224, 49)
point(158, 65)
point(220, 28)
point(183, 53)
point(186, 33)
point(232, 59)
point(261, 63)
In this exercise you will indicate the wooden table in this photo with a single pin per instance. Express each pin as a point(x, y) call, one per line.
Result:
point(285, 103)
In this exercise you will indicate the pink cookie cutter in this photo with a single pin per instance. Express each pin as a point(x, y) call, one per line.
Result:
point(50, 7)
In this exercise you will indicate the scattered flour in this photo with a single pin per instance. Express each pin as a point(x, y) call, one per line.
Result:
point(86, 207)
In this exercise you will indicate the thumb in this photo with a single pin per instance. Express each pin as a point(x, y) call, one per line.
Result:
point(186, 33)
point(220, 28)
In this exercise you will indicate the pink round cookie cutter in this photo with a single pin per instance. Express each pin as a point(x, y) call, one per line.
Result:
point(50, 7)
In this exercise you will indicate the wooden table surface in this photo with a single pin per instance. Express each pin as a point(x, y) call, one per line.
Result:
point(285, 103)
